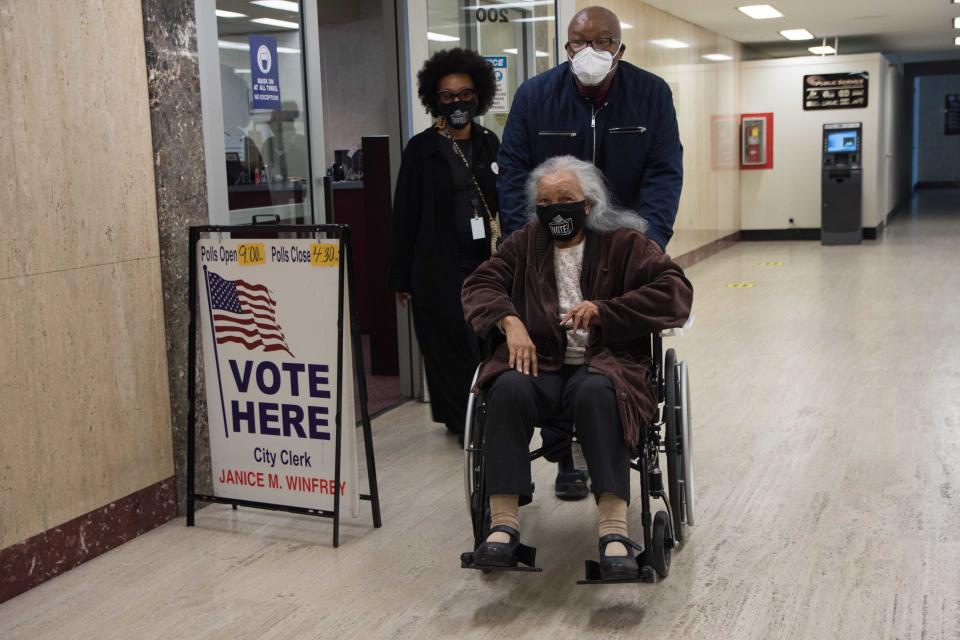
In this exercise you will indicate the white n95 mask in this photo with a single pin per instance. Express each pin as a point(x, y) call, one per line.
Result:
point(591, 66)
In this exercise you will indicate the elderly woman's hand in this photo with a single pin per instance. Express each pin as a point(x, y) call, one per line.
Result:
point(584, 315)
point(523, 353)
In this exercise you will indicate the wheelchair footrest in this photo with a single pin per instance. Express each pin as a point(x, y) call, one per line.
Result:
point(647, 574)
point(525, 556)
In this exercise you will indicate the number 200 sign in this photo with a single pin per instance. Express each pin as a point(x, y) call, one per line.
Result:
point(492, 15)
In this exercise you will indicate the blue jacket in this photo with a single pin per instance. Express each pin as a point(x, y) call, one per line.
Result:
point(633, 139)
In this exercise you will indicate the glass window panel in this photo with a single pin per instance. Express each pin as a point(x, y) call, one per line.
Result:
point(264, 111)
point(523, 32)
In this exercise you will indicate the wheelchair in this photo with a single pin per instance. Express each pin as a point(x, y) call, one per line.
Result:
point(669, 435)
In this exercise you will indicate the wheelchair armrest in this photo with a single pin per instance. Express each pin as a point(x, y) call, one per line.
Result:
point(679, 331)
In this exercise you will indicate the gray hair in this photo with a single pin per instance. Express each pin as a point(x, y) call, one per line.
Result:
point(604, 217)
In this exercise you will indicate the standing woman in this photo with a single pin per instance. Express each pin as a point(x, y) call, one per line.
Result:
point(445, 222)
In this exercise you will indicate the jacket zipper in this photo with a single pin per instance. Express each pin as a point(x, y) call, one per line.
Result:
point(593, 127)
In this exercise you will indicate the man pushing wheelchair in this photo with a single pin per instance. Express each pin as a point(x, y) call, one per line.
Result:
point(576, 292)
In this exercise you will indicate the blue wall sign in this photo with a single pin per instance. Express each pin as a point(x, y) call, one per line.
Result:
point(264, 72)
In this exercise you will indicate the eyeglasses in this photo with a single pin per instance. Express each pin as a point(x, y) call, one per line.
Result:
point(464, 95)
point(597, 44)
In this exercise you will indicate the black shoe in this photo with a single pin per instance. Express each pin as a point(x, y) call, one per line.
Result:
point(618, 567)
point(571, 484)
point(499, 554)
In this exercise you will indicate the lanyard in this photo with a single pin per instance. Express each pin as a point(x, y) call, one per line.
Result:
point(494, 221)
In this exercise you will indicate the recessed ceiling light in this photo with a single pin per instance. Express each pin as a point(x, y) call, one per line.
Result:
point(956, 23)
point(230, 14)
point(760, 11)
point(718, 57)
point(441, 37)
point(796, 34)
point(823, 50)
point(537, 19)
point(279, 5)
point(241, 71)
point(626, 25)
point(670, 43)
point(229, 44)
point(273, 22)
point(523, 4)
point(513, 51)
point(956, 41)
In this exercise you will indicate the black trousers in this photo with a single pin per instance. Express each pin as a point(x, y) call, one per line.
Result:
point(516, 403)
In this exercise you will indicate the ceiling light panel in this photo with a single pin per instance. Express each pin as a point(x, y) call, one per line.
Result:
point(441, 37)
point(230, 14)
point(230, 44)
point(822, 50)
point(279, 5)
point(626, 25)
point(273, 22)
point(760, 11)
point(796, 34)
point(718, 57)
point(956, 23)
point(670, 43)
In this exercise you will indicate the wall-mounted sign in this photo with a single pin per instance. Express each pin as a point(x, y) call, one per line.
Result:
point(951, 119)
point(499, 64)
point(264, 72)
point(835, 91)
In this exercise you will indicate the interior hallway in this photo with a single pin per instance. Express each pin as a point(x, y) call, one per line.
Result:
point(827, 440)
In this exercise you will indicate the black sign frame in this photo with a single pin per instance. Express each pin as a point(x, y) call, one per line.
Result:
point(836, 91)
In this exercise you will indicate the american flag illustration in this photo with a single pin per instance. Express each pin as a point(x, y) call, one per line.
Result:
point(245, 313)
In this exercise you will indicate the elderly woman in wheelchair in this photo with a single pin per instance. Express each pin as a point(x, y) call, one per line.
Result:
point(575, 292)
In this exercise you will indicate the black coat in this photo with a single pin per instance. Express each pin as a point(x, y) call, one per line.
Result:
point(425, 262)
point(424, 250)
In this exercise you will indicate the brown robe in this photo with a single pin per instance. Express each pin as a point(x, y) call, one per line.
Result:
point(638, 289)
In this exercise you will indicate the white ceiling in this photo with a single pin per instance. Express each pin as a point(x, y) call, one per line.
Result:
point(887, 26)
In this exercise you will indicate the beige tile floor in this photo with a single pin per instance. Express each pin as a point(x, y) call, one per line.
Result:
point(827, 427)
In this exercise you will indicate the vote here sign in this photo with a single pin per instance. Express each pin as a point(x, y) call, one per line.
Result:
point(269, 316)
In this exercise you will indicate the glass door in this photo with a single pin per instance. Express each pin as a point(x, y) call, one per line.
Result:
point(518, 37)
point(262, 155)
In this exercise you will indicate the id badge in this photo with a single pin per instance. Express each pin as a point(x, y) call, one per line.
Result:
point(476, 226)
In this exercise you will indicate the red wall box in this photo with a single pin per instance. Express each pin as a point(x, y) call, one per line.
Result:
point(756, 154)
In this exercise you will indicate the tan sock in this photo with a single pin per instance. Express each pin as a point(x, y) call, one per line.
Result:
point(504, 510)
point(613, 519)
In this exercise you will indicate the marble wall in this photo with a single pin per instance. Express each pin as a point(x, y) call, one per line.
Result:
point(84, 402)
point(169, 29)
point(706, 96)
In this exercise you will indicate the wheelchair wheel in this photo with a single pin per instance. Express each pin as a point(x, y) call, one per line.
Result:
point(686, 424)
point(673, 442)
point(477, 503)
point(662, 541)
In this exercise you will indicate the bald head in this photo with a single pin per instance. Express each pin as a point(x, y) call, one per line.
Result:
point(594, 22)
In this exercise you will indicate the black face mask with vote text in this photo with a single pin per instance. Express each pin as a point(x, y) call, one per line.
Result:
point(459, 114)
point(564, 220)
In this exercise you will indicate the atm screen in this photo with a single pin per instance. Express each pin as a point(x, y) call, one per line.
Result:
point(843, 141)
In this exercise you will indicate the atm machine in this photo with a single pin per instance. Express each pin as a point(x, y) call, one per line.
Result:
point(841, 190)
